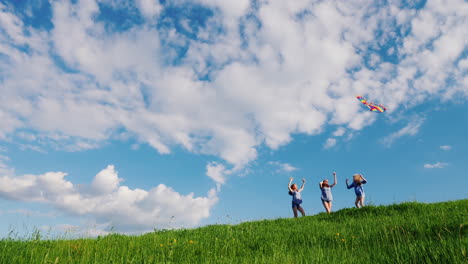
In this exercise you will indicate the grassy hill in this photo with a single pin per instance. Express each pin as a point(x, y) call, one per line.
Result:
point(402, 233)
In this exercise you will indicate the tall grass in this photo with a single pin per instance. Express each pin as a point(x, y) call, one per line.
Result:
point(402, 233)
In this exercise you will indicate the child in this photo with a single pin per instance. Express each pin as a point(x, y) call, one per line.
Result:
point(358, 181)
point(296, 196)
point(327, 196)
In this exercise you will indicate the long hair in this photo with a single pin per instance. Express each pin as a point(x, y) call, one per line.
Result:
point(357, 179)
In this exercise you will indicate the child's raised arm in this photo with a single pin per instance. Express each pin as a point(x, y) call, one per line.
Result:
point(303, 183)
point(334, 180)
point(349, 186)
point(289, 184)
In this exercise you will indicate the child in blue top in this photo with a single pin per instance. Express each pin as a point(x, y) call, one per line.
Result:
point(327, 196)
point(296, 196)
point(358, 181)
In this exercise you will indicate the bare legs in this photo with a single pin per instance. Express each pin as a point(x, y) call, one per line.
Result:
point(301, 210)
point(359, 201)
point(295, 209)
point(327, 205)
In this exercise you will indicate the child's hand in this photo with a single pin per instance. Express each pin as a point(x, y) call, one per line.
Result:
point(334, 173)
point(303, 180)
point(291, 178)
point(346, 180)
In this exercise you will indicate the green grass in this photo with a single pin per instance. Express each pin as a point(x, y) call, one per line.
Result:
point(402, 233)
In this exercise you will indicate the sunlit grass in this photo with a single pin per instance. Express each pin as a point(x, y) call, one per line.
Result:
point(403, 233)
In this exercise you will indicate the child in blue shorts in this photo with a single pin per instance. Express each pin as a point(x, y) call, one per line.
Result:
point(296, 196)
point(327, 196)
point(358, 181)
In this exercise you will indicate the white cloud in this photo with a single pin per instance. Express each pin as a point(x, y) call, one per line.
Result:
point(339, 132)
point(217, 172)
point(4, 168)
point(437, 165)
point(106, 181)
point(330, 143)
point(295, 68)
point(149, 8)
point(108, 202)
point(411, 129)
point(283, 167)
point(289, 75)
point(12, 24)
point(446, 147)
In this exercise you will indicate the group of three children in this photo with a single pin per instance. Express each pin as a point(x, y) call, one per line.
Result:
point(327, 197)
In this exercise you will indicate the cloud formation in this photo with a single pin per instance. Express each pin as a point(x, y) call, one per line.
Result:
point(111, 205)
point(294, 67)
point(437, 165)
point(282, 167)
point(217, 172)
point(330, 143)
point(446, 147)
point(409, 130)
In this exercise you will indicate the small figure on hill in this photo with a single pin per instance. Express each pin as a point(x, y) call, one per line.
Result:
point(358, 181)
point(327, 196)
point(296, 196)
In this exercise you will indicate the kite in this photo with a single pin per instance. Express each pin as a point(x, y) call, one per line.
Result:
point(372, 107)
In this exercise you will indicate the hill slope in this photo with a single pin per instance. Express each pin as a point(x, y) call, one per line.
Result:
point(402, 233)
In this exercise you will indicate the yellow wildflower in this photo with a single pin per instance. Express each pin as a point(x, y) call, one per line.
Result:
point(190, 242)
point(161, 245)
point(337, 234)
point(343, 240)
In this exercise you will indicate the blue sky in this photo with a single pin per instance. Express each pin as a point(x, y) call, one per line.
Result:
point(161, 114)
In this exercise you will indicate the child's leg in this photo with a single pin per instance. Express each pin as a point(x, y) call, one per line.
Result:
point(301, 210)
point(362, 201)
point(357, 202)
point(295, 211)
point(327, 206)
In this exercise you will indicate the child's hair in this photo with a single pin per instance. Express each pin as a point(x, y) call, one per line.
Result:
point(357, 178)
point(325, 184)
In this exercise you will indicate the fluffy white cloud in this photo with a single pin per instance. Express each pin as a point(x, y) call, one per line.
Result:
point(437, 165)
point(339, 132)
point(330, 143)
point(149, 8)
point(109, 203)
point(277, 69)
point(217, 172)
point(283, 167)
point(446, 147)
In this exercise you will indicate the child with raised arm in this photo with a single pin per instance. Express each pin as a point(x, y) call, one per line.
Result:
point(327, 196)
point(358, 181)
point(296, 196)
